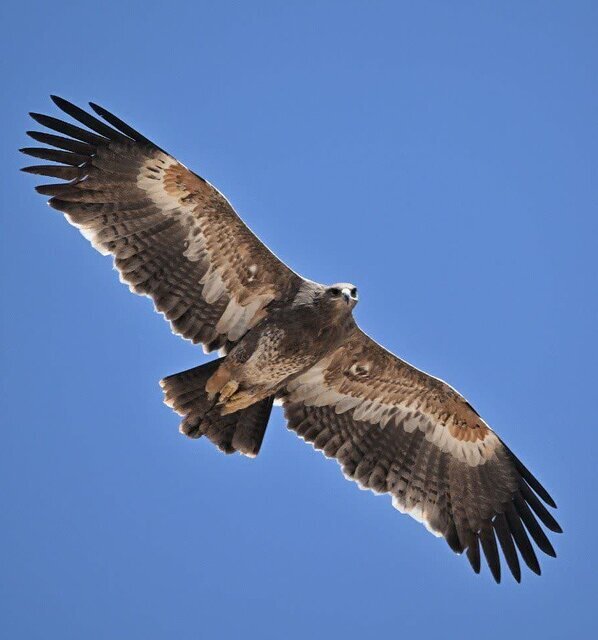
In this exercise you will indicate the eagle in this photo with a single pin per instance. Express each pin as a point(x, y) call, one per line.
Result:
point(392, 428)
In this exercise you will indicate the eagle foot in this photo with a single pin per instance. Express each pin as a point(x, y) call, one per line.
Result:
point(227, 391)
point(238, 401)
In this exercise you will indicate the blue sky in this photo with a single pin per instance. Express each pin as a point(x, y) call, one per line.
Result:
point(442, 156)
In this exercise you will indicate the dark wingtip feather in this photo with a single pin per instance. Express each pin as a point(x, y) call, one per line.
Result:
point(67, 144)
point(507, 545)
point(87, 119)
point(122, 126)
point(533, 527)
point(473, 555)
point(53, 171)
point(45, 189)
point(53, 155)
point(490, 549)
point(69, 129)
point(452, 538)
point(521, 539)
point(533, 482)
point(557, 528)
point(539, 509)
point(57, 189)
point(58, 101)
point(57, 204)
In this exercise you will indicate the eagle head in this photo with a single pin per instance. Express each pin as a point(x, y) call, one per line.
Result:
point(342, 294)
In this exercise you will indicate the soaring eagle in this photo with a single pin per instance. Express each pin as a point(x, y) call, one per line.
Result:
point(392, 428)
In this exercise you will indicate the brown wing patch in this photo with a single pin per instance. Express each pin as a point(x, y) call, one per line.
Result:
point(181, 183)
point(469, 433)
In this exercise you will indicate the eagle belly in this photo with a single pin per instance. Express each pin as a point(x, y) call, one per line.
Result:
point(270, 355)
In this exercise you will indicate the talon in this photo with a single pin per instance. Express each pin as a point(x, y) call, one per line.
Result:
point(227, 391)
point(241, 400)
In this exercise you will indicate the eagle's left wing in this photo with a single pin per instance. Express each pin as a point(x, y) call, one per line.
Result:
point(397, 430)
point(174, 237)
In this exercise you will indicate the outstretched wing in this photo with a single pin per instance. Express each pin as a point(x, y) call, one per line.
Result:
point(174, 237)
point(397, 430)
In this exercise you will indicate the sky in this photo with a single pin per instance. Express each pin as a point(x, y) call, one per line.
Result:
point(442, 156)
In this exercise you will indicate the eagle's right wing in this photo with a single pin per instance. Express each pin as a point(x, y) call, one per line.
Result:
point(173, 236)
point(395, 429)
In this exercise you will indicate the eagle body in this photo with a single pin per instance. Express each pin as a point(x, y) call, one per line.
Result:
point(393, 428)
point(284, 345)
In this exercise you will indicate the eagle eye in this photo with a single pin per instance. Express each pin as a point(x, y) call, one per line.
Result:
point(335, 291)
point(354, 292)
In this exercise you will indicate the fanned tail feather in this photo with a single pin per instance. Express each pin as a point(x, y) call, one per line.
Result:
point(242, 431)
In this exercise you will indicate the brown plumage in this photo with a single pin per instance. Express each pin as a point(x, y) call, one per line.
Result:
point(393, 428)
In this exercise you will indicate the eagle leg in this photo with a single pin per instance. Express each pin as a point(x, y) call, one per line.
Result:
point(227, 391)
point(238, 401)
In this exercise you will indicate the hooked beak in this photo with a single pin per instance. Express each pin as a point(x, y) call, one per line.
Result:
point(346, 295)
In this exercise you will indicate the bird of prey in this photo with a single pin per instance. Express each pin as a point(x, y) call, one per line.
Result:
point(393, 428)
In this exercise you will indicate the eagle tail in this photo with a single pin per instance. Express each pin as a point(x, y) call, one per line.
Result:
point(241, 431)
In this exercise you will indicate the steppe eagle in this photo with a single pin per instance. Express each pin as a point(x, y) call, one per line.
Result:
point(393, 428)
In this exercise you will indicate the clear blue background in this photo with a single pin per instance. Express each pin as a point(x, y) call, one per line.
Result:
point(440, 155)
